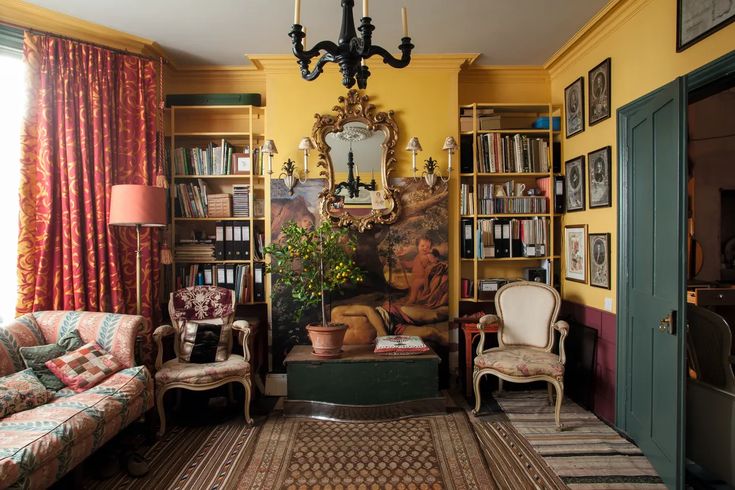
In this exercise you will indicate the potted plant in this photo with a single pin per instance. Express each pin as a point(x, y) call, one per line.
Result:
point(311, 263)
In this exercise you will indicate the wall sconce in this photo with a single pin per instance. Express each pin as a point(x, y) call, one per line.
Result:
point(431, 167)
point(269, 147)
point(289, 175)
point(306, 145)
point(414, 147)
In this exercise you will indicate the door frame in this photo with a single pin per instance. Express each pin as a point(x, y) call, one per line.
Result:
point(709, 73)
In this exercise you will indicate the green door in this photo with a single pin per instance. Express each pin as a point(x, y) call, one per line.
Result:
point(651, 292)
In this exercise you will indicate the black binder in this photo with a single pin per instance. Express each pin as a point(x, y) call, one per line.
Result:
point(558, 194)
point(501, 232)
point(230, 276)
point(259, 281)
point(219, 241)
point(245, 234)
point(237, 241)
point(465, 153)
point(467, 238)
point(229, 243)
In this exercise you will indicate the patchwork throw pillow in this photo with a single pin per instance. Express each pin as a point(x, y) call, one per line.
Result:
point(22, 391)
point(36, 356)
point(85, 367)
point(400, 344)
point(204, 342)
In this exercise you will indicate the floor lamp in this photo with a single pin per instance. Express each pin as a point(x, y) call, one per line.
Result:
point(138, 205)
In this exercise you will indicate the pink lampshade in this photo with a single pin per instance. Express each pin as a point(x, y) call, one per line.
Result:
point(132, 205)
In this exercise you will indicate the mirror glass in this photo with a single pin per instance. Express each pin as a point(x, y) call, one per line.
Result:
point(356, 153)
point(356, 148)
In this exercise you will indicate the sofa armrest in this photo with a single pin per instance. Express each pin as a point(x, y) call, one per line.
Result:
point(158, 334)
point(243, 327)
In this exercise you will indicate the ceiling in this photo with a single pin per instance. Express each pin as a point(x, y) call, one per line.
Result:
point(220, 32)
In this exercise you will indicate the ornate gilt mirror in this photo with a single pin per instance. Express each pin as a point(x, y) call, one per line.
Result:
point(356, 148)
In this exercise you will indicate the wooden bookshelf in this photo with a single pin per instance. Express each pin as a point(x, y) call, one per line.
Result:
point(504, 115)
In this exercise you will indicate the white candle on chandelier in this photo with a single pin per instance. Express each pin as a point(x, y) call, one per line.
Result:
point(365, 8)
point(297, 12)
point(404, 18)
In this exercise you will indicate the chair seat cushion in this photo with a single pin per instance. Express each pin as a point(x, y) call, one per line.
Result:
point(175, 371)
point(521, 362)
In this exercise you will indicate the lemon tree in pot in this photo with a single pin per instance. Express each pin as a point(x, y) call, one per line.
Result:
point(311, 263)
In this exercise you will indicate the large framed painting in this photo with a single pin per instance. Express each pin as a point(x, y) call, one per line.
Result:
point(575, 253)
point(600, 260)
point(697, 19)
point(599, 177)
point(574, 107)
point(599, 92)
point(574, 183)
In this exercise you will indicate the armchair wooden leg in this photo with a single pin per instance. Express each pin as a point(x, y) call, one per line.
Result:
point(559, 385)
point(161, 411)
point(476, 377)
point(248, 389)
point(550, 390)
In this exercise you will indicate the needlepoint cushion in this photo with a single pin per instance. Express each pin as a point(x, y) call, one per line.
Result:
point(22, 391)
point(85, 367)
point(400, 344)
point(521, 362)
point(36, 356)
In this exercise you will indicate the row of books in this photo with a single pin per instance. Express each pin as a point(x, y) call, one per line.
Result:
point(466, 199)
point(230, 276)
point(210, 160)
point(511, 153)
point(513, 205)
point(191, 199)
point(502, 238)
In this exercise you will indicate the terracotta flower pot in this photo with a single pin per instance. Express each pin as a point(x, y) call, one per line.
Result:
point(327, 341)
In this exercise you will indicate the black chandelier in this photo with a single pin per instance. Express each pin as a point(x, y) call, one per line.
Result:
point(353, 185)
point(350, 51)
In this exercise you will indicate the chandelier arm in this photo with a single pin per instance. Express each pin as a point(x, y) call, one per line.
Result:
point(318, 67)
point(328, 46)
point(389, 59)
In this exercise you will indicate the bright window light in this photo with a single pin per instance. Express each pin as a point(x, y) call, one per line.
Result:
point(12, 109)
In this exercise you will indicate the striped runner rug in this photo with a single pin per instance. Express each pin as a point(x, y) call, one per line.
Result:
point(587, 454)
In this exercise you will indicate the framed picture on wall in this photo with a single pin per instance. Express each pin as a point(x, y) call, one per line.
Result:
point(575, 253)
point(599, 92)
point(697, 19)
point(600, 260)
point(574, 183)
point(599, 177)
point(574, 107)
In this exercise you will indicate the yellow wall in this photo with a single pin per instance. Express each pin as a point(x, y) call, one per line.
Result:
point(640, 38)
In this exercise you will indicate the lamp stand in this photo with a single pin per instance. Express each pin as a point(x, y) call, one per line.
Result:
point(139, 306)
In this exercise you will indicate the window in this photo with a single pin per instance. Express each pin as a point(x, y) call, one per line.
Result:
point(12, 110)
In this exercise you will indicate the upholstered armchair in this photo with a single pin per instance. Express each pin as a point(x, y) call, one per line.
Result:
point(710, 396)
point(526, 319)
point(201, 305)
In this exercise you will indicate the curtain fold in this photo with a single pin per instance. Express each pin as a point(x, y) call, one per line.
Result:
point(91, 124)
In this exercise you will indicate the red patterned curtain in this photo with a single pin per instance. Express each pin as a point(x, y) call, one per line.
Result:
point(91, 124)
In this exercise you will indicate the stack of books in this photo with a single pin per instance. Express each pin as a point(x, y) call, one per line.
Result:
point(241, 200)
point(513, 205)
point(194, 250)
point(191, 199)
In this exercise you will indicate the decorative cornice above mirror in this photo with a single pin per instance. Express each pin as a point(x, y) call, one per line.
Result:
point(357, 152)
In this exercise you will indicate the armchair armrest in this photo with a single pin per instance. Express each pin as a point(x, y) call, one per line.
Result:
point(158, 334)
point(563, 328)
point(244, 328)
point(481, 324)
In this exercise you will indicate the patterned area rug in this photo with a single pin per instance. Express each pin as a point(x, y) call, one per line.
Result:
point(438, 452)
point(192, 458)
point(588, 454)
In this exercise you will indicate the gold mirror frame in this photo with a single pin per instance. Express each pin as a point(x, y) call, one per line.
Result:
point(356, 108)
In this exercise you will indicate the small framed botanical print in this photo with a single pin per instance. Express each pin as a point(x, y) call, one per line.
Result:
point(241, 163)
point(574, 183)
point(600, 260)
point(598, 163)
point(599, 92)
point(575, 253)
point(574, 107)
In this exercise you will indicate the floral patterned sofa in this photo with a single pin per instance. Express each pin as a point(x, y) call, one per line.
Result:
point(39, 446)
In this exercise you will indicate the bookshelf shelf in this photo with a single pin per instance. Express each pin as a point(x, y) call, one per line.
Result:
point(207, 140)
point(514, 148)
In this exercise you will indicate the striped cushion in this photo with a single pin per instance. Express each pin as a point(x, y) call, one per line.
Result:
point(22, 332)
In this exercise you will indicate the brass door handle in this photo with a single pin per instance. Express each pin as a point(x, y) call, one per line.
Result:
point(666, 324)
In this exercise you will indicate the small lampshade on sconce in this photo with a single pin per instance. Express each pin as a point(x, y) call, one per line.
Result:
point(269, 147)
point(306, 145)
point(137, 205)
point(449, 145)
point(414, 147)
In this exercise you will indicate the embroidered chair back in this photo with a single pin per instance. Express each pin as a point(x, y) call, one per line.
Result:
point(201, 304)
point(528, 311)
